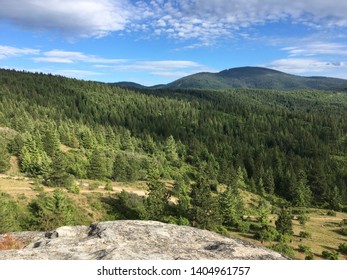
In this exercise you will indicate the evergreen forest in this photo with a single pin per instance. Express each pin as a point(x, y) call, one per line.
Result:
point(196, 151)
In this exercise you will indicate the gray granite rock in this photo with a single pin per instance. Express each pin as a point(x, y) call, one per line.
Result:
point(136, 240)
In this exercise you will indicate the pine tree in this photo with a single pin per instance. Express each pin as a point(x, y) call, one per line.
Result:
point(9, 214)
point(181, 191)
point(97, 168)
point(269, 182)
point(302, 194)
point(231, 206)
point(239, 181)
point(50, 139)
point(120, 165)
point(204, 210)
point(284, 223)
point(171, 149)
point(4, 158)
point(59, 177)
point(52, 211)
point(157, 200)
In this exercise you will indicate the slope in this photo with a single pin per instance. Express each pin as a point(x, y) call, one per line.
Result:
point(256, 77)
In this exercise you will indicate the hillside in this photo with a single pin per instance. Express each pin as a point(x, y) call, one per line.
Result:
point(248, 77)
point(194, 151)
point(257, 77)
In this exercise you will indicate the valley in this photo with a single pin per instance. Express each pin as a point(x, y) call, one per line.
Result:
point(264, 164)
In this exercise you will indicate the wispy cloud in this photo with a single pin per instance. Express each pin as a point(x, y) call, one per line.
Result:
point(60, 56)
point(317, 48)
point(9, 51)
point(304, 65)
point(172, 69)
point(161, 65)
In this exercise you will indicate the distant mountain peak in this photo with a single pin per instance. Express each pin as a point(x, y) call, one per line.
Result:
point(256, 77)
point(248, 77)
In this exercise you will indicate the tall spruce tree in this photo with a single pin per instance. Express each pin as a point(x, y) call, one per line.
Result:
point(97, 168)
point(284, 223)
point(157, 201)
point(231, 206)
point(204, 211)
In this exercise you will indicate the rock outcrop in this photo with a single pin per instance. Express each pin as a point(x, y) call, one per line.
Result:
point(135, 240)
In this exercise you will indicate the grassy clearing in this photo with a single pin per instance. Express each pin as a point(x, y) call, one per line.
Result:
point(323, 229)
point(324, 234)
point(18, 185)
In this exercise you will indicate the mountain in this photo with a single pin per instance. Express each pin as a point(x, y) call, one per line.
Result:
point(248, 77)
point(130, 85)
point(257, 77)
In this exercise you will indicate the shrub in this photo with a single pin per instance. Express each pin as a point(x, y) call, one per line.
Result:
point(267, 233)
point(309, 256)
point(343, 248)
point(303, 219)
point(305, 234)
point(343, 231)
point(93, 186)
point(108, 187)
point(182, 221)
point(9, 242)
point(75, 189)
point(284, 238)
point(331, 213)
point(243, 227)
point(304, 249)
point(330, 255)
point(343, 223)
point(284, 249)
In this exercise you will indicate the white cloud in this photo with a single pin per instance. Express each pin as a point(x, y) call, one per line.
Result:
point(8, 51)
point(78, 17)
point(60, 56)
point(172, 69)
point(206, 20)
point(203, 20)
point(317, 48)
point(161, 65)
point(304, 65)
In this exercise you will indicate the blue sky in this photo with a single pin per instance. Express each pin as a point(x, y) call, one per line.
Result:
point(153, 42)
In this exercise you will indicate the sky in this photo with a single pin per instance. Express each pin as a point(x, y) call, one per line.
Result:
point(159, 41)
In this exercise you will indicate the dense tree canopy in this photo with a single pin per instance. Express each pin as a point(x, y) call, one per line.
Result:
point(289, 143)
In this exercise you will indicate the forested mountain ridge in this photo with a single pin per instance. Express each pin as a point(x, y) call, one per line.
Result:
point(291, 145)
point(252, 78)
point(254, 130)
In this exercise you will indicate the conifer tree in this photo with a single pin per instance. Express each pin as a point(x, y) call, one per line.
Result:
point(97, 168)
point(181, 190)
point(157, 200)
point(52, 211)
point(284, 222)
point(269, 182)
point(171, 149)
point(204, 211)
point(120, 165)
point(50, 139)
point(231, 206)
point(9, 214)
point(4, 158)
point(302, 192)
point(59, 177)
